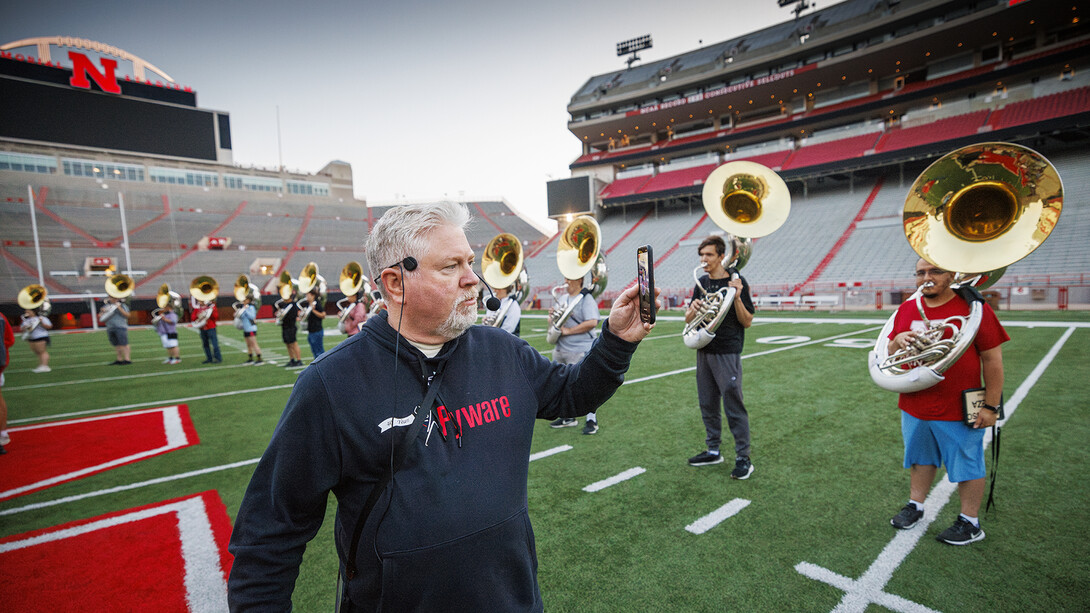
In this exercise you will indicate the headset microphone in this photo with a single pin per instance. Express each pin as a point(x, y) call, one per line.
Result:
point(409, 263)
point(493, 303)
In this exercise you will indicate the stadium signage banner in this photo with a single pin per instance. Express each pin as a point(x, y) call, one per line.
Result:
point(84, 71)
point(729, 89)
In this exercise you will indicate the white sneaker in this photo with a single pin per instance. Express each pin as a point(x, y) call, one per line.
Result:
point(168, 361)
point(42, 369)
point(4, 438)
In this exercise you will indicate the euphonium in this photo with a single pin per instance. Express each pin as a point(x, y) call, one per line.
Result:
point(33, 297)
point(578, 253)
point(203, 290)
point(501, 267)
point(747, 200)
point(980, 208)
point(286, 287)
point(166, 300)
point(310, 279)
point(352, 283)
point(118, 287)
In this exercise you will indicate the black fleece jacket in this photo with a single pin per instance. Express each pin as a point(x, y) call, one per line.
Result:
point(451, 532)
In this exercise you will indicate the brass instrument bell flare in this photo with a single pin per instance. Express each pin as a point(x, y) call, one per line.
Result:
point(286, 286)
point(32, 296)
point(502, 260)
point(579, 247)
point(309, 278)
point(204, 288)
point(352, 279)
point(746, 199)
point(983, 207)
point(119, 286)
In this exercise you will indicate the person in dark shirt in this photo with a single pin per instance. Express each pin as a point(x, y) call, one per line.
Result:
point(445, 407)
point(719, 363)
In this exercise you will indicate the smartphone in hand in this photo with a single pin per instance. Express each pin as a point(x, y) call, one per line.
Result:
point(645, 273)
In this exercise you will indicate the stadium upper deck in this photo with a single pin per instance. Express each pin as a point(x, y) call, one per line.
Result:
point(864, 66)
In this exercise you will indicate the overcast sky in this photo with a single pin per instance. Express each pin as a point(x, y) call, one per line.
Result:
point(423, 99)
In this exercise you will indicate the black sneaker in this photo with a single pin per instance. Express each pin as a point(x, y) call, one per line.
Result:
point(564, 422)
point(705, 458)
point(962, 532)
point(907, 517)
point(206, 362)
point(591, 427)
point(743, 468)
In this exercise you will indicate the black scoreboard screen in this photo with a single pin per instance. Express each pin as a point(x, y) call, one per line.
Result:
point(58, 114)
point(570, 196)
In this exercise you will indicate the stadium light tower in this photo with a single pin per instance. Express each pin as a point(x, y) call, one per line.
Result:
point(632, 46)
point(800, 5)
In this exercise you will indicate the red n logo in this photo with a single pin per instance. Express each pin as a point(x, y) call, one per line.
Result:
point(82, 68)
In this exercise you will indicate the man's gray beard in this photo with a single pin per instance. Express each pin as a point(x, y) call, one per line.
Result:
point(457, 323)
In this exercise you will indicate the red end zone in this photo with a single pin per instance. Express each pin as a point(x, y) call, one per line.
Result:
point(43, 455)
point(169, 556)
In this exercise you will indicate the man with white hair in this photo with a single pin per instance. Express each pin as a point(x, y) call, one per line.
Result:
point(421, 426)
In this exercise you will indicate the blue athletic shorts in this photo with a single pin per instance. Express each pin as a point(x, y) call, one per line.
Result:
point(944, 443)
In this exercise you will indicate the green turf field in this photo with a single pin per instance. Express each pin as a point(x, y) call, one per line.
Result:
point(812, 523)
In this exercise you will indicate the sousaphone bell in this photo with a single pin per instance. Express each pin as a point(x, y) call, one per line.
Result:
point(203, 290)
point(118, 287)
point(748, 200)
point(502, 267)
point(975, 210)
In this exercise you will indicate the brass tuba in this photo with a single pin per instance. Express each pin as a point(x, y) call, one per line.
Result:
point(352, 283)
point(502, 267)
point(310, 279)
point(286, 288)
point(118, 287)
point(747, 200)
point(578, 253)
point(166, 300)
point(976, 210)
point(33, 297)
point(203, 291)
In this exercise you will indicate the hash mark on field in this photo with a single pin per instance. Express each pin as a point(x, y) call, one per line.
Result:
point(615, 479)
point(718, 516)
point(549, 452)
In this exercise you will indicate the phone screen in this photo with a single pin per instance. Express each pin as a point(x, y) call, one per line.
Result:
point(645, 272)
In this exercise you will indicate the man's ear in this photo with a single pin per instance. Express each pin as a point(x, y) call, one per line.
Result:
point(392, 281)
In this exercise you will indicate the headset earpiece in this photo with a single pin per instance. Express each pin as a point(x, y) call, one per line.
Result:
point(409, 263)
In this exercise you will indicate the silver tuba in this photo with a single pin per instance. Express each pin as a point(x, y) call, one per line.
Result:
point(165, 300)
point(118, 287)
point(286, 287)
point(310, 279)
point(747, 200)
point(980, 208)
point(203, 291)
point(352, 283)
point(578, 253)
point(33, 297)
point(501, 267)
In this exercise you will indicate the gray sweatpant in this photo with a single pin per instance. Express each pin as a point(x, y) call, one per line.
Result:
point(719, 376)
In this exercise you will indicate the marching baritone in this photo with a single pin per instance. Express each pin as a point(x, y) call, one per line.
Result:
point(248, 320)
point(931, 419)
point(36, 329)
point(357, 314)
point(287, 317)
point(207, 312)
point(117, 330)
point(315, 330)
point(719, 363)
point(167, 327)
point(576, 338)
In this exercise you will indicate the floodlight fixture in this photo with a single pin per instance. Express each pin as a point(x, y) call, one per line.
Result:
point(633, 46)
point(800, 5)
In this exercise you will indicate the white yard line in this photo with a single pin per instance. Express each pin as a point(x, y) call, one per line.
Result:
point(717, 516)
point(859, 593)
point(615, 479)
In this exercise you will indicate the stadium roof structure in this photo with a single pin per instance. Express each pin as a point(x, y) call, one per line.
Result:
point(860, 69)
